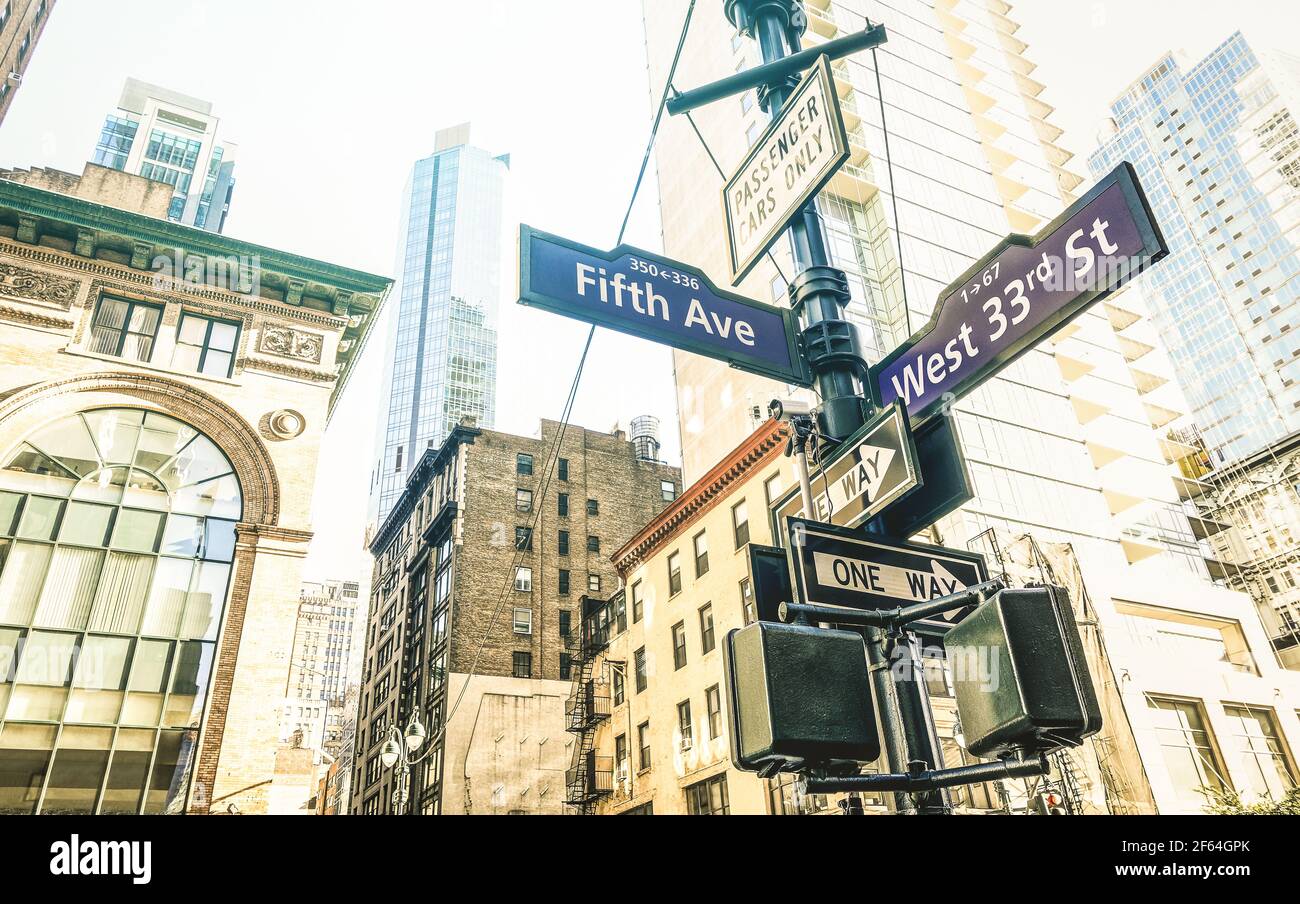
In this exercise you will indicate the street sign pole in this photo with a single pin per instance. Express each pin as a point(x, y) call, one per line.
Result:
point(819, 293)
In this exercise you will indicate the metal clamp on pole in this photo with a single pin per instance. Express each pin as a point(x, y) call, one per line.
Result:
point(927, 779)
point(887, 618)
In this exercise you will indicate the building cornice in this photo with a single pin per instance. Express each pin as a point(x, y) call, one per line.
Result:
point(759, 448)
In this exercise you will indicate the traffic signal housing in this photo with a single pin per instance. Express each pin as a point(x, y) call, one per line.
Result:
point(798, 696)
point(1019, 674)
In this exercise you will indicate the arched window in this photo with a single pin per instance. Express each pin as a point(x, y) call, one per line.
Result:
point(117, 533)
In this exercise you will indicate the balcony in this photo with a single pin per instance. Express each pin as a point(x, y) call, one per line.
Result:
point(592, 777)
point(588, 705)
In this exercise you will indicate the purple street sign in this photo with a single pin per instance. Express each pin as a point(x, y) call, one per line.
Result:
point(1020, 293)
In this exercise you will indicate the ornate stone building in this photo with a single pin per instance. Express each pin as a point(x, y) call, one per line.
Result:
point(163, 392)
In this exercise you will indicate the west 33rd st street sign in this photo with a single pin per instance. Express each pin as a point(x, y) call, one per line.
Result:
point(1020, 294)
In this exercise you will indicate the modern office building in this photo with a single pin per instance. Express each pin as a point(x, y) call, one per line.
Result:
point(21, 24)
point(170, 137)
point(1217, 148)
point(442, 348)
point(158, 445)
point(1068, 448)
point(319, 667)
point(481, 572)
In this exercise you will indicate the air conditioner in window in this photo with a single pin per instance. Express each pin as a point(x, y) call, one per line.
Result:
point(621, 774)
point(686, 744)
point(14, 78)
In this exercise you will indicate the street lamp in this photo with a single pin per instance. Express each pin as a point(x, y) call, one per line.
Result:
point(400, 751)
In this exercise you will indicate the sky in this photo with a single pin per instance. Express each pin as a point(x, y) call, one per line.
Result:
point(332, 102)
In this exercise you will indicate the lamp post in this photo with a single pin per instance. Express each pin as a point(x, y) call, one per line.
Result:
point(402, 752)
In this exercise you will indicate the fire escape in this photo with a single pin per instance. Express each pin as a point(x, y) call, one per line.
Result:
point(589, 777)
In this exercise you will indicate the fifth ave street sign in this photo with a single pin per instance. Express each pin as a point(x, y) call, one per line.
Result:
point(871, 469)
point(797, 155)
point(662, 300)
point(1021, 293)
point(833, 566)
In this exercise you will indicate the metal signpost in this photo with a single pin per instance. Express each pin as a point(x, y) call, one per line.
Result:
point(798, 154)
point(869, 471)
point(1020, 293)
point(663, 300)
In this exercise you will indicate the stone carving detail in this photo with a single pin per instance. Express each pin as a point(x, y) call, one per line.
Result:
point(19, 282)
point(286, 342)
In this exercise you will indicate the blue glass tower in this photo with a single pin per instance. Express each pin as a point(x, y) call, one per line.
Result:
point(441, 362)
point(1216, 149)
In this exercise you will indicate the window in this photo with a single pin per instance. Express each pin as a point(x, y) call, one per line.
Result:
point(593, 544)
point(563, 543)
point(564, 582)
point(523, 621)
point(667, 490)
point(643, 745)
point(523, 665)
point(523, 579)
point(772, 489)
point(593, 507)
point(620, 752)
point(566, 666)
point(620, 687)
point(1260, 755)
point(674, 574)
point(125, 329)
point(747, 602)
point(639, 670)
point(709, 797)
point(713, 705)
point(524, 538)
point(109, 609)
point(566, 622)
point(593, 583)
point(523, 501)
point(564, 469)
point(679, 645)
point(619, 605)
point(524, 465)
point(1188, 749)
point(562, 505)
point(205, 346)
point(637, 607)
point(706, 627)
point(684, 726)
point(701, 543)
point(740, 523)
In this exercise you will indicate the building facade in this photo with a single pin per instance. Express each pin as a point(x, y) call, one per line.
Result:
point(170, 137)
point(480, 573)
point(1258, 500)
point(1216, 147)
point(441, 362)
point(164, 395)
point(21, 24)
point(320, 665)
point(1193, 700)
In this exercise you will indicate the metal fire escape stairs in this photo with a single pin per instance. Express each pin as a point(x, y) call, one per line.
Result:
point(589, 776)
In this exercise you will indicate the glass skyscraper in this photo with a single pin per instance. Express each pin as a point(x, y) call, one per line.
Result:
point(442, 352)
point(1217, 149)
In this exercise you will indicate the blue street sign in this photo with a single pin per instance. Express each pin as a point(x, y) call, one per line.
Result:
point(1020, 293)
point(662, 300)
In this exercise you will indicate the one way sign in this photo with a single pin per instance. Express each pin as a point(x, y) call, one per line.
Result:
point(833, 566)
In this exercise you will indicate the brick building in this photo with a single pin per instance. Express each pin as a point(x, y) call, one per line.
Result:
point(163, 392)
point(480, 570)
point(21, 24)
